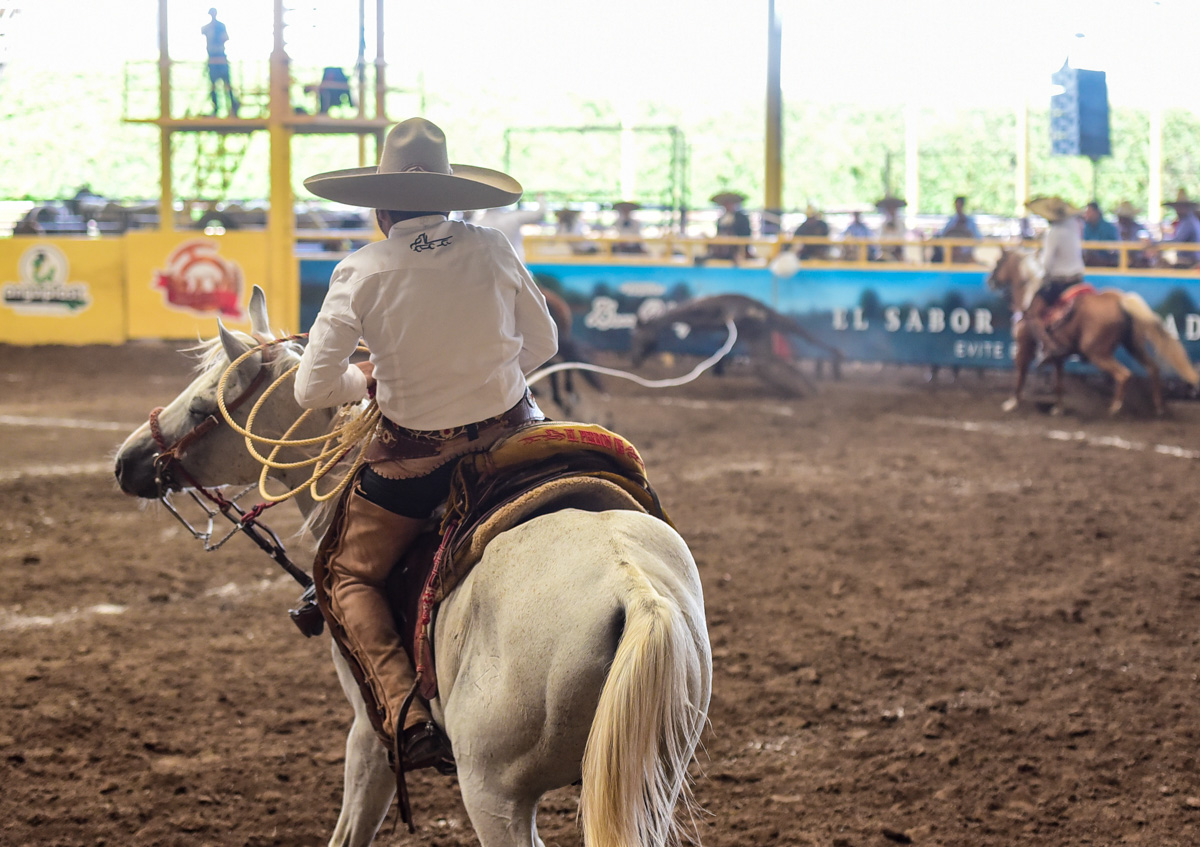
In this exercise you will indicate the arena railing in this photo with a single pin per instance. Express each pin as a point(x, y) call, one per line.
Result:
point(955, 253)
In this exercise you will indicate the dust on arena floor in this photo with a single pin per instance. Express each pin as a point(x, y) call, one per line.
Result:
point(932, 623)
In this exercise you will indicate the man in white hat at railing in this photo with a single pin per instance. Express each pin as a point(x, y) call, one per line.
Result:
point(453, 321)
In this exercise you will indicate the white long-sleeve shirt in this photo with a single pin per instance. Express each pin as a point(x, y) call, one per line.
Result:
point(1062, 250)
point(452, 318)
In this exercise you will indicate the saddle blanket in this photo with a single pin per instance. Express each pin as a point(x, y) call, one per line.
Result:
point(1063, 308)
point(538, 469)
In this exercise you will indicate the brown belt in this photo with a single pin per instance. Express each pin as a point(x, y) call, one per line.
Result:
point(394, 442)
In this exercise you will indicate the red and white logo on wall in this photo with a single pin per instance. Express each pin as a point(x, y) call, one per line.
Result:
point(197, 279)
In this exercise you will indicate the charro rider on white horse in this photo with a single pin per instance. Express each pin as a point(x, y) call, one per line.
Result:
point(453, 321)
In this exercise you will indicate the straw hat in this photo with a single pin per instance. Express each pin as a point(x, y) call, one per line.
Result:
point(1126, 210)
point(1181, 201)
point(811, 211)
point(890, 202)
point(1053, 209)
point(415, 175)
point(724, 198)
point(626, 206)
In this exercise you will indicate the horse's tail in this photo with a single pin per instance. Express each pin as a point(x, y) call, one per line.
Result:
point(570, 351)
point(1149, 327)
point(645, 730)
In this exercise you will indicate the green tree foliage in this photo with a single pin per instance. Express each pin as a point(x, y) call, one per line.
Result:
point(65, 129)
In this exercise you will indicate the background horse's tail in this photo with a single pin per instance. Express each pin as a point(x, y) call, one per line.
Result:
point(1149, 327)
point(645, 729)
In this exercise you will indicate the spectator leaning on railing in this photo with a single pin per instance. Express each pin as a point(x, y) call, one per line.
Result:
point(1187, 229)
point(1096, 228)
point(1128, 229)
point(960, 225)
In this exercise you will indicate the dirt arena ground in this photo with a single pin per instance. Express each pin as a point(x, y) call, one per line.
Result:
point(932, 624)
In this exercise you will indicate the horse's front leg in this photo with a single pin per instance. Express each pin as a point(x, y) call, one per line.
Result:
point(1024, 355)
point(1060, 365)
point(369, 784)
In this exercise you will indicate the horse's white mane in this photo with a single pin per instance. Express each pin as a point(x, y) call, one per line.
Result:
point(210, 354)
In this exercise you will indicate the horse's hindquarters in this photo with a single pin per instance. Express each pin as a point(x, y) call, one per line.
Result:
point(524, 645)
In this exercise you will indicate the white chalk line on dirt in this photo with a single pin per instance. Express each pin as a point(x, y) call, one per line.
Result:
point(1077, 436)
point(12, 619)
point(66, 423)
point(38, 471)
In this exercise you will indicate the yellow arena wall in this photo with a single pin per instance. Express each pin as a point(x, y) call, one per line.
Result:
point(139, 286)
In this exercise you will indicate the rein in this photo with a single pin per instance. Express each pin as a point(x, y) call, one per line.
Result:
point(167, 462)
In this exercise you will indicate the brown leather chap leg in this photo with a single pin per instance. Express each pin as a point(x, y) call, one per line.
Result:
point(350, 572)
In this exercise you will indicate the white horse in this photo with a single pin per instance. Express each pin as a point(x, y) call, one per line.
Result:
point(576, 649)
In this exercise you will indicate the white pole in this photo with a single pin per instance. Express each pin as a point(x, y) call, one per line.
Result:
point(1154, 213)
point(912, 166)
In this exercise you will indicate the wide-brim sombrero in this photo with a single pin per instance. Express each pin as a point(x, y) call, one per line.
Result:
point(1181, 201)
point(890, 202)
point(626, 206)
point(1052, 208)
point(1125, 209)
point(723, 197)
point(414, 174)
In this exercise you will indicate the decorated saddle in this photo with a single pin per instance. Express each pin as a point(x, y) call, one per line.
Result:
point(1063, 307)
point(540, 468)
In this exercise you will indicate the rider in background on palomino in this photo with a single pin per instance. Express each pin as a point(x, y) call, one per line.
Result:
point(1062, 263)
point(453, 321)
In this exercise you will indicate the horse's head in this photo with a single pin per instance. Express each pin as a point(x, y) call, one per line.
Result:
point(1003, 275)
point(210, 453)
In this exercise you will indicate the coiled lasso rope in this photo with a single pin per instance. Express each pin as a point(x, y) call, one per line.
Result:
point(335, 444)
point(671, 382)
point(360, 428)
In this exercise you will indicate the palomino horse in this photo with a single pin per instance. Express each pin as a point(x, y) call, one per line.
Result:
point(763, 330)
point(614, 693)
point(1099, 322)
point(568, 351)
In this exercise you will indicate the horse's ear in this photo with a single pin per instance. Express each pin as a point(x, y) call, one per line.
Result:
point(260, 325)
point(234, 346)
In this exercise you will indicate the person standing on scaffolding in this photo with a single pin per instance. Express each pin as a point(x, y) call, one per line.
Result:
point(216, 35)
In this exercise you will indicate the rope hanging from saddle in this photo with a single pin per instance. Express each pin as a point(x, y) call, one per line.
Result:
point(336, 445)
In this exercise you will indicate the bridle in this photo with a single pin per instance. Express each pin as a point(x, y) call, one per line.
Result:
point(168, 460)
point(167, 464)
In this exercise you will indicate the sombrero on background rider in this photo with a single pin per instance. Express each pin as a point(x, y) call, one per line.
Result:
point(1053, 208)
point(415, 175)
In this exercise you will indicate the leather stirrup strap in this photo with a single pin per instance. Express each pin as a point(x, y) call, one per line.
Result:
point(404, 807)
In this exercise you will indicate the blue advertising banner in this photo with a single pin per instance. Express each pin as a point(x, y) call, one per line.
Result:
point(894, 315)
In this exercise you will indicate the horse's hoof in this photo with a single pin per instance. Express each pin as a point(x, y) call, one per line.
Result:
point(1057, 410)
point(1010, 404)
point(1115, 409)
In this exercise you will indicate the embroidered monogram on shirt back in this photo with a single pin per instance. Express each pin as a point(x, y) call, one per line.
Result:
point(422, 242)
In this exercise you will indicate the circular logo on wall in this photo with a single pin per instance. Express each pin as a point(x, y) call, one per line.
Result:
point(198, 279)
point(45, 287)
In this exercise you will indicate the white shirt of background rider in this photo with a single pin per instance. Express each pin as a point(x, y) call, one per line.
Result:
point(1062, 250)
point(452, 318)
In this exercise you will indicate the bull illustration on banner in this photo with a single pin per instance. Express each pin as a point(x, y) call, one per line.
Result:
point(198, 279)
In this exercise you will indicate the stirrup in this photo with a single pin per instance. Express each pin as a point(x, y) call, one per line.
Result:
point(426, 746)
